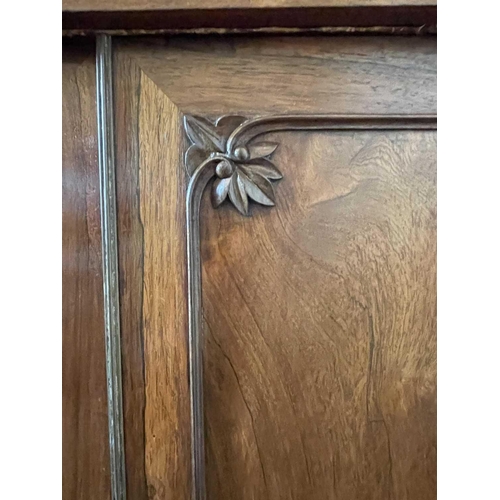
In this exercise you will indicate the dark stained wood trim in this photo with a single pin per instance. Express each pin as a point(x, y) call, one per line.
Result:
point(330, 31)
point(251, 18)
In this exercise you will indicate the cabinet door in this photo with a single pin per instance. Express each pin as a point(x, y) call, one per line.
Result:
point(317, 313)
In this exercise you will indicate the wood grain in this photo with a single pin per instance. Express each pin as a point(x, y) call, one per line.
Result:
point(162, 186)
point(153, 294)
point(85, 425)
point(320, 313)
point(131, 258)
point(320, 325)
point(300, 74)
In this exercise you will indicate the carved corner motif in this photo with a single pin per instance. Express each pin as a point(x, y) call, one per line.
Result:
point(242, 170)
point(226, 150)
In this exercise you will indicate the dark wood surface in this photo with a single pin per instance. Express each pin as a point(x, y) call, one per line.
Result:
point(85, 454)
point(244, 14)
point(320, 312)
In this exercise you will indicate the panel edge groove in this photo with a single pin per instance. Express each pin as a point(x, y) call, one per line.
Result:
point(217, 143)
point(107, 191)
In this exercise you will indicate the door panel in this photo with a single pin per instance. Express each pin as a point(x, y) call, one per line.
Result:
point(319, 332)
point(320, 321)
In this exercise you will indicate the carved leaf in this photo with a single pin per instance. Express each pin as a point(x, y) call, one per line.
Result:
point(258, 188)
point(220, 189)
point(194, 157)
point(261, 149)
point(204, 134)
point(228, 123)
point(262, 167)
point(238, 195)
point(242, 173)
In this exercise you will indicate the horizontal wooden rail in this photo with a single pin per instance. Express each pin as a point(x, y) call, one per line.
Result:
point(157, 15)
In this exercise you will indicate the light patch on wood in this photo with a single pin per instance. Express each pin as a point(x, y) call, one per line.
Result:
point(162, 186)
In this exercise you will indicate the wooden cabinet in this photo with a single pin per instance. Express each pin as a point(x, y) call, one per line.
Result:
point(309, 291)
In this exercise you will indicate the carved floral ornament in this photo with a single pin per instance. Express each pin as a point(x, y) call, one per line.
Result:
point(229, 150)
point(241, 173)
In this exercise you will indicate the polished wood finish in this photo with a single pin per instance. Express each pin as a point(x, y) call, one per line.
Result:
point(244, 14)
point(85, 424)
point(164, 317)
point(152, 257)
point(245, 75)
point(320, 312)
